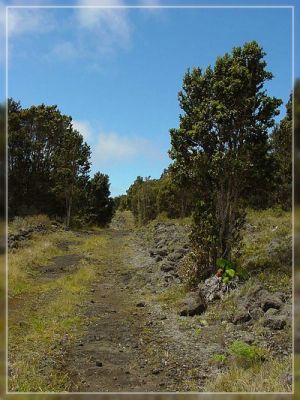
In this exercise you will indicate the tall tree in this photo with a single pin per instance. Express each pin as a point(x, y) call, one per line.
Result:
point(282, 150)
point(227, 114)
point(34, 135)
point(99, 200)
point(71, 167)
point(297, 139)
point(2, 161)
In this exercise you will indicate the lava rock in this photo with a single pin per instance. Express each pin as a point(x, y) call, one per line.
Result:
point(193, 304)
point(269, 300)
point(275, 322)
point(166, 267)
point(242, 315)
point(271, 311)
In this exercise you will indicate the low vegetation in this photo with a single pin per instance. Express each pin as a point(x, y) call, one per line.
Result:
point(50, 319)
point(269, 376)
point(24, 223)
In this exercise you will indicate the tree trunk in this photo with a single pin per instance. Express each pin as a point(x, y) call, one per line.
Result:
point(69, 206)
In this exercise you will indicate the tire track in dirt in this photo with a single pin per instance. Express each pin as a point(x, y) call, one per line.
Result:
point(108, 357)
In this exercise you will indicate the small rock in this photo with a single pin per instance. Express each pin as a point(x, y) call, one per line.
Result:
point(275, 322)
point(257, 313)
point(162, 252)
point(242, 315)
point(156, 371)
point(166, 267)
point(271, 311)
point(270, 300)
point(193, 304)
point(248, 338)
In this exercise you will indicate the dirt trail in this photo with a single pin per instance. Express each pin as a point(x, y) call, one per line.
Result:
point(107, 357)
point(130, 343)
point(127, 339)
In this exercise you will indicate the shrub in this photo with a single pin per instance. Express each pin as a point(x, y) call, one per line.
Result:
point(247, 355)
point(219, 359)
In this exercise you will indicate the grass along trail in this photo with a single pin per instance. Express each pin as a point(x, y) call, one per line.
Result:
point(89, 312)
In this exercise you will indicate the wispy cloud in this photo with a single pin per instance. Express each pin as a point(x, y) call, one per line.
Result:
point(84, 128)
point(112, 148)
point(110, 27)
point(23, 20)
point(63, 51)
point(89, 33)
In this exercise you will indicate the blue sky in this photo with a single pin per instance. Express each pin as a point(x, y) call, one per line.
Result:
point(118, 72)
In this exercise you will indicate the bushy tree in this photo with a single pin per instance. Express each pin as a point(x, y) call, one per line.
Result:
point(48, 161)
point(99, 201)
point(142, 199)
point(282, 150)
point(297, 140)
point(34, 135)
point(120, 202)
point(2, 161)
point(223, 130)
point(173, 199)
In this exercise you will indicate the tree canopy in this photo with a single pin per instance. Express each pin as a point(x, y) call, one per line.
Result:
point(49, 165)
point(222, 144)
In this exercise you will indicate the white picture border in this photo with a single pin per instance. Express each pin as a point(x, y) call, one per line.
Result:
point(168, 7)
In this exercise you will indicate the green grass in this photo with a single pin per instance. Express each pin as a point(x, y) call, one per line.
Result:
point(172, 296)
point(267, 242)
point(49, 314)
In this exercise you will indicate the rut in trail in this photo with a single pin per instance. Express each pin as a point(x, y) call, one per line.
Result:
point(107, 358)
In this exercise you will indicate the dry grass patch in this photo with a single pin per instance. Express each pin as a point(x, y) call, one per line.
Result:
point(50, 315)
point(270, 376)
point(23, 263)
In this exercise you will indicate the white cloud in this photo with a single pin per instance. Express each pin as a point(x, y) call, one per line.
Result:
point(110, 27)
point(112, 148)
point(84, 128)
point(26, 20)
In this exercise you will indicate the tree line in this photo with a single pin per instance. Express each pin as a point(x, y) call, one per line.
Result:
point(227, 154)
point(49, 166)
